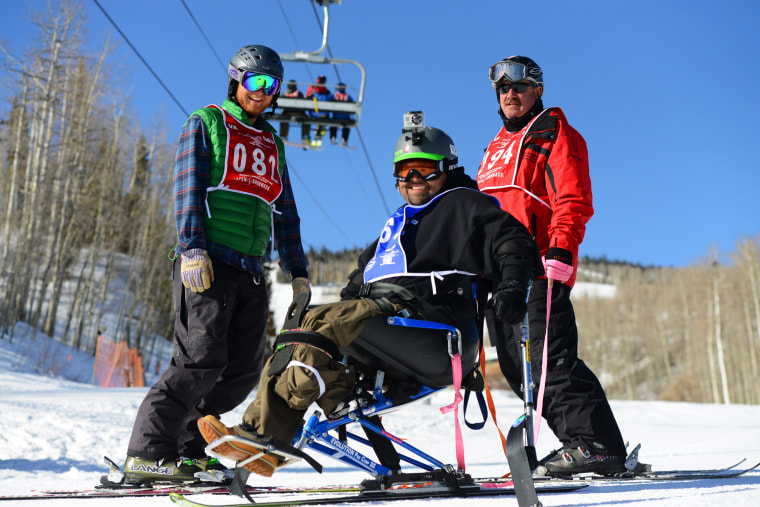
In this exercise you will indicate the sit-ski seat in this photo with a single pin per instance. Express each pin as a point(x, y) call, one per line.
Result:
point(414, 354)
point(415, 358)
point(410, 353)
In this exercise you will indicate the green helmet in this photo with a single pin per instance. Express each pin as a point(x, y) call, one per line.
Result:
point(419, 141)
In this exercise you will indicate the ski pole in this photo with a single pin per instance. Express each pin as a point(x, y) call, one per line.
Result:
point(528, 386)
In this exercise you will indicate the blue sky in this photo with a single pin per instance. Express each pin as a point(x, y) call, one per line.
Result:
point(664, 92)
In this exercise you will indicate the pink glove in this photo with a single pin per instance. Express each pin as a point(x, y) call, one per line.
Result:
point(558, 270)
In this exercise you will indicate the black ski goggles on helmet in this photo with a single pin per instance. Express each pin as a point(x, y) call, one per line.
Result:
point(511, 71)
point(253, 81)
point(425, 169)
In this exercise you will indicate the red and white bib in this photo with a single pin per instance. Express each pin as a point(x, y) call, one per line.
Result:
point(499, 164)
point(251, 162)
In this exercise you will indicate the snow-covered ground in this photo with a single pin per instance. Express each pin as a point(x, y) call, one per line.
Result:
point(55, 432)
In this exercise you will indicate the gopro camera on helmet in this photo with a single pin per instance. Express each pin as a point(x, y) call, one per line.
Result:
point(414, 119)
point(414, 123)
point(420, 141)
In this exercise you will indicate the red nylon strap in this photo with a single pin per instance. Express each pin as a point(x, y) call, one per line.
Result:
point(491, 405)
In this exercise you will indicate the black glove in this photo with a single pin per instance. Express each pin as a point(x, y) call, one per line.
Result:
point(355, 281)
point(508, 302)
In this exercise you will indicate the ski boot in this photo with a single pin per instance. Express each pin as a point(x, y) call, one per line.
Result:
point(146, 470)
point(579, 460)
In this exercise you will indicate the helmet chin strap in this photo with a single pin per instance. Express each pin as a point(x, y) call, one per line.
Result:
point(232, 90)
point(273, 105)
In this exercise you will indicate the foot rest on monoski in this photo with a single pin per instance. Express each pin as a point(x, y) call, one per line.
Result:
point(393, 351)
point(240, 443)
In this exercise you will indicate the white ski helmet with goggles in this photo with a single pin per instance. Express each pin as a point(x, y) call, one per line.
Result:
point(515, 69)
point(418, 141)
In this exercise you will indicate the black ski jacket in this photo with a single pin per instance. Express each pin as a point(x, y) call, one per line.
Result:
point(464, 230)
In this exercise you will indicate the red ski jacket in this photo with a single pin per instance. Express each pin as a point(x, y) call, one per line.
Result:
point(540, 175)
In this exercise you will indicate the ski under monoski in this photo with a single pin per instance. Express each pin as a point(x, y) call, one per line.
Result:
point(166, 489)
point(112, 485)
point(120, 491)
point(407, 493)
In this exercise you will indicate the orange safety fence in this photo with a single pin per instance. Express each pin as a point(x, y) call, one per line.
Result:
point(116, 365)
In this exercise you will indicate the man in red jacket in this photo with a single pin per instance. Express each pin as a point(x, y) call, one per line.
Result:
point(537, 167)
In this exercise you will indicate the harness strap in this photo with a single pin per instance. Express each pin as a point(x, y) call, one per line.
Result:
point(491, 405)
point(385, 306)
point(314, 371)
point(377, 290)
point(286, 447)
point(481, 297)
point(456, 370)
point(483, 409)
point(307, 338)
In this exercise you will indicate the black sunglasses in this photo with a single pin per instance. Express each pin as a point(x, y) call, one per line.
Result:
point(504, 88)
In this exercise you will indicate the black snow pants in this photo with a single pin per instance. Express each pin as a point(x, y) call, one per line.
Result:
point(575, 406)
point(220, 336)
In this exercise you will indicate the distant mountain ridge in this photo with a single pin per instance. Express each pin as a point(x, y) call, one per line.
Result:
point(333, 267)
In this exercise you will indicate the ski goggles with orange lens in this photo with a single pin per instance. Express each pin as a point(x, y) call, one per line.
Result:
point(253, 82)
point(425, 169)
point(511, 71)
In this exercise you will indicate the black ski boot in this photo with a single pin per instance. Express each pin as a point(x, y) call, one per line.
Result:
point(579, 460)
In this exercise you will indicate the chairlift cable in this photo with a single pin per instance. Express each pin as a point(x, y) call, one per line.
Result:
point(361, 185)
point(293, 34)
point(337, 73)
point(287, 22)
point(316, 201)
point(224, 67)
point(361, 139)
point(126, 39)
point(372, 171)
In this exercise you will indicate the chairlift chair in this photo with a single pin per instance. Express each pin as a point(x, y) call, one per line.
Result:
point(297, 107)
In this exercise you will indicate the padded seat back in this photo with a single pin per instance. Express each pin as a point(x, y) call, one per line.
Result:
point(413, 354)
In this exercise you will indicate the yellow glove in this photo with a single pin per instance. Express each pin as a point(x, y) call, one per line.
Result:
point(197, 271)
point(300, 285)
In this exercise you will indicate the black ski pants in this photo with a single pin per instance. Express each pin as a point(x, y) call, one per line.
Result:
point(575, 406)
point(220, 336)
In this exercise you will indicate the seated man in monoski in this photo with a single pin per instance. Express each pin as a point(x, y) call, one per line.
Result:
point(428, 255)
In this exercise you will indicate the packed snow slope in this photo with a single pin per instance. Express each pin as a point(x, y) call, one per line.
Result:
point(55, 433)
